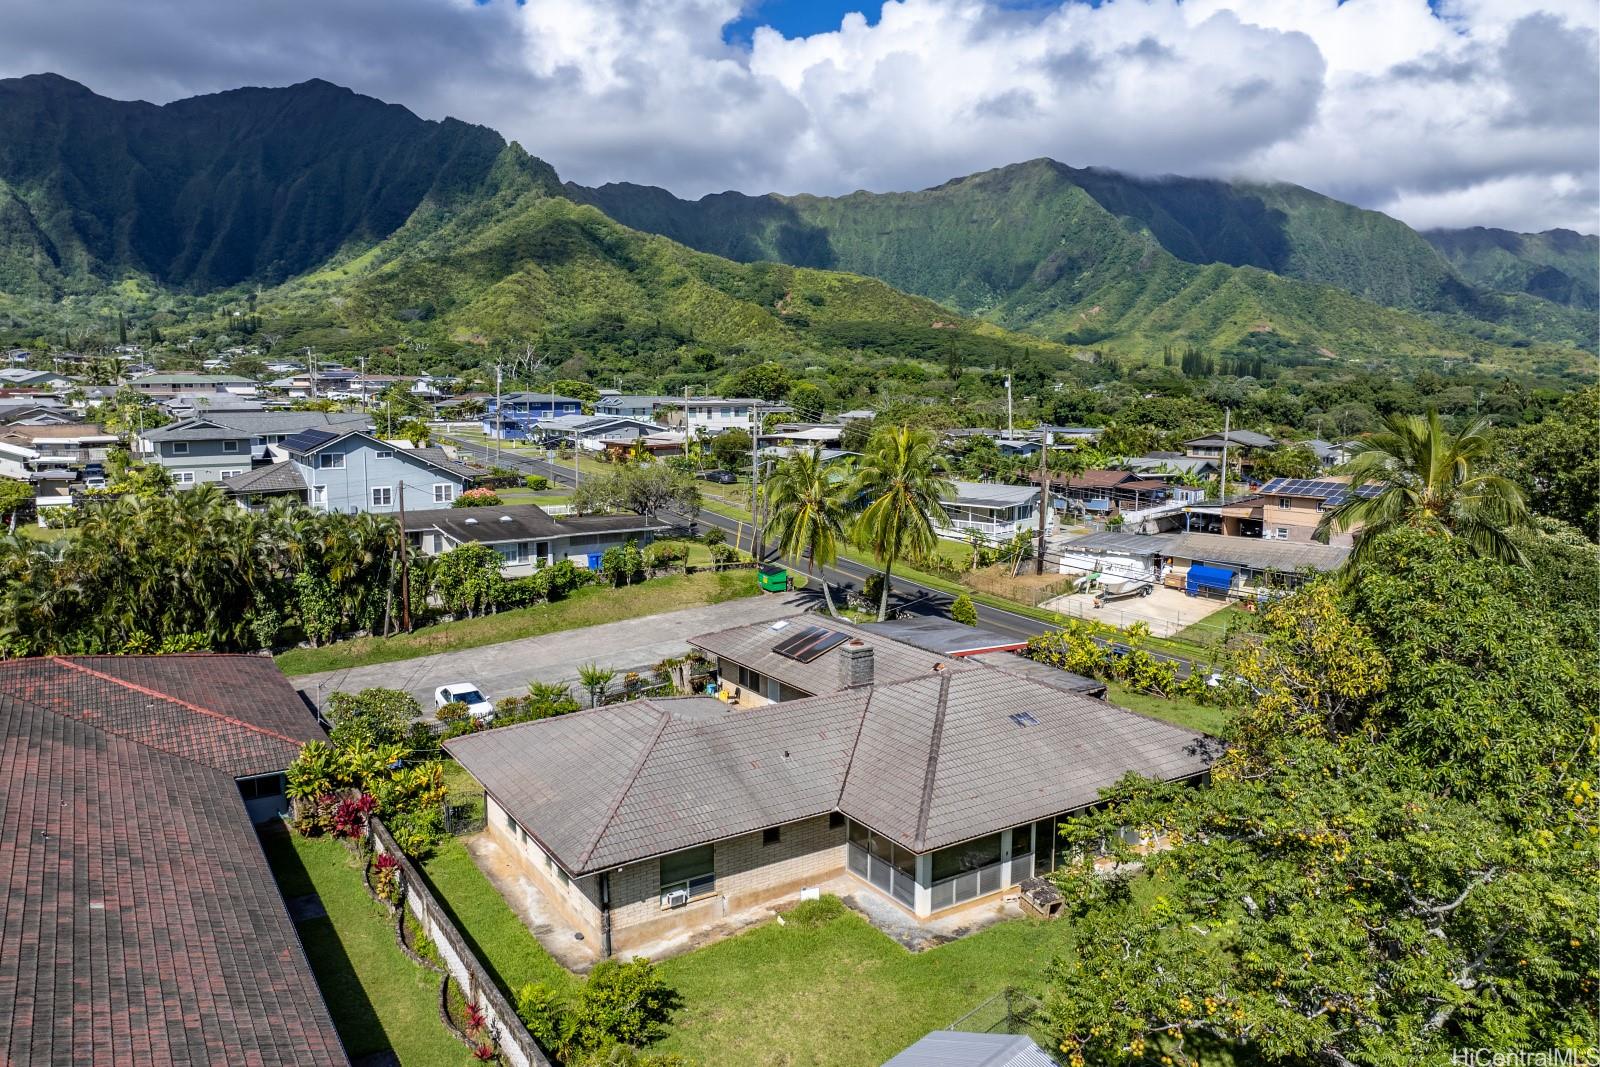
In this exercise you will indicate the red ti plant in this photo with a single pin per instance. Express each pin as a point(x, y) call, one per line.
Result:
point(475, 1017)
point(483, 1052)
point(350, 817)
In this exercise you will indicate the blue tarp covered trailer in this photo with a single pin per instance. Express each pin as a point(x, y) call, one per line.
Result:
point(1213, 581)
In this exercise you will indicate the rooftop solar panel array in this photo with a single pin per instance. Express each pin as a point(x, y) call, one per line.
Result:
point(809, 643)
point(306, 440)
point(1321, 489)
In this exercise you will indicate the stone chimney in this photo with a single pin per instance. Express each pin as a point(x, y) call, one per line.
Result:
point(855, 664)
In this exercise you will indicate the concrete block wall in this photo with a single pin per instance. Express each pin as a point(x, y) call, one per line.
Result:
point(749, 874)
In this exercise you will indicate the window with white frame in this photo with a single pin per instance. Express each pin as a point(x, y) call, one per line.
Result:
point(180, 448)
point(382, 496)
point(1282, 533)
point(228, 474)
point(331, 461)
point(443, 492)
point(183, 478)
point(319, 495)
point(1285, 503)
point(383, 453)
point(230, 446)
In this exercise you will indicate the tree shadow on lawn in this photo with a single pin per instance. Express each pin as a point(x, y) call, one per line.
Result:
point(354, 1016)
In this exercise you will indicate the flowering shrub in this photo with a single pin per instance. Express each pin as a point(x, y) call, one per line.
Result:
point(477, 498)
point(386, 878)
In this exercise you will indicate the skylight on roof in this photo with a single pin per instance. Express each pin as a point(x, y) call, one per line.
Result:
point(1023, 718)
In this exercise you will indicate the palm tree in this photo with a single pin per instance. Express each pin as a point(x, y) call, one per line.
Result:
point(1417, 473)
point(806, 512)
point(900, 485)
point(595, 679)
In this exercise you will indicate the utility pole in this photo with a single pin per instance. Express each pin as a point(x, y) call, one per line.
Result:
point(366, 386)
point(1227, 421)
point(1008, 405)
point(499, 425)
point(405, 565)
point(755, 481)
point(1044, 500)
point(311, 370)
point(577, 473)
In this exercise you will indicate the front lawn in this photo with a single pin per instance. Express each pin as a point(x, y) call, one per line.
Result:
point(378, 997)
point(841, 994)
point(589, 606)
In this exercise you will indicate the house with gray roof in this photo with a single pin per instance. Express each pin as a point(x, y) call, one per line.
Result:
point(351, 471)
point(931, 780)
point(993, 509)
point(175, 382)
point(217, 445)
point(1241, 444)
point(527, 537)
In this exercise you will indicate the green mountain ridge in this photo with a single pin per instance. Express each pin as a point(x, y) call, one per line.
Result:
point(250, 185)
point(375, 227)
point(1561, 266)
point(1044, 247)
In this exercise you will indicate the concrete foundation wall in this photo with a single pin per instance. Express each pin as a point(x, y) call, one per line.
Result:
point(576, 900)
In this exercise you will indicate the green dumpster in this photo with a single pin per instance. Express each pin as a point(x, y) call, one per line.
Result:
point(772, 578)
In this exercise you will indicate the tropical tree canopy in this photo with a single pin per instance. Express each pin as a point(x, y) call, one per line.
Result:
point(899, 488)
point(1395, 857)
point(1416, 472)
point(807, 511)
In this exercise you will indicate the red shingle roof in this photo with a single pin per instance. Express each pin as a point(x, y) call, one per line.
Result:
point(139, 921)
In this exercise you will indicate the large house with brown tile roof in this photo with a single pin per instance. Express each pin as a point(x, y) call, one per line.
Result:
point(933, 781)
point(139, 921)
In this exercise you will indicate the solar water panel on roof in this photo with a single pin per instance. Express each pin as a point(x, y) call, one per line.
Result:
point(809, 643)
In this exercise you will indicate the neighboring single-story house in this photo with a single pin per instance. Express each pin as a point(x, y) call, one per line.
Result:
point(592, 432)
point(997, 511)
point(352, 471)
point(224, 444)
point(932, 781)
point(1249, 560)
point(1104, 493)
point(527, 536)
point(143, 922)
point(1173, 463)
point(170, 384)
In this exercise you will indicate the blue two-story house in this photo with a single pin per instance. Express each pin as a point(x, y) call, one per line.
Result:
point(517, 412)
point(351, 472)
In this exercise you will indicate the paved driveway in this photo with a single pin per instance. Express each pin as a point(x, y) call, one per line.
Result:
point(1165, 610)
point(506, 669)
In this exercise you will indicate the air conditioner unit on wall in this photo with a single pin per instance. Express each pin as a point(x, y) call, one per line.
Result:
point(677, 898)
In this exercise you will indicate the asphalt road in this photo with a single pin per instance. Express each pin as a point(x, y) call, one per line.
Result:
point(844, 576)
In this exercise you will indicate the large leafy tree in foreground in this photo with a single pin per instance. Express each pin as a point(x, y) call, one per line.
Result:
point(1396, 856)
point(1416, 472)
point(899, 483)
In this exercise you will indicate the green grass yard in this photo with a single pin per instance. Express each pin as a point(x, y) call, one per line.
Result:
point(841, 994)
point(1187, 713)
point(378, 997)
point(589, 606)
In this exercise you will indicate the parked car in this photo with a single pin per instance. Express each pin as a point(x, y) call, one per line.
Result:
point(478, 705)
point(720, 477)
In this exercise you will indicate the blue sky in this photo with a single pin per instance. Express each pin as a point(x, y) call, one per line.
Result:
point(801, 18)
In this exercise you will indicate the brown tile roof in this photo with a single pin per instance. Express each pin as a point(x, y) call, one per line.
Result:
point(139, 921)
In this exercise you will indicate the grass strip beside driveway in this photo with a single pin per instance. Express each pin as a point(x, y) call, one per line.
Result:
point(589, 606)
